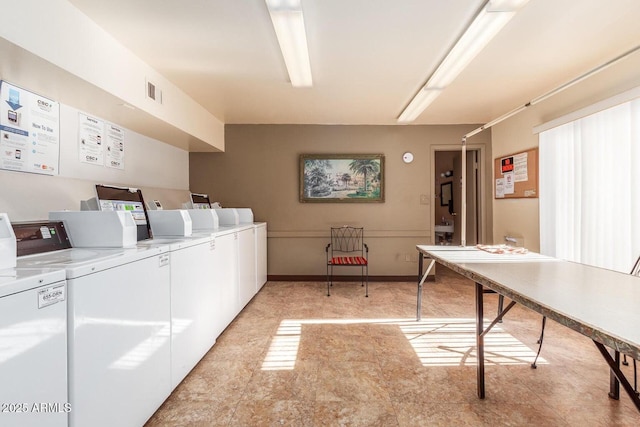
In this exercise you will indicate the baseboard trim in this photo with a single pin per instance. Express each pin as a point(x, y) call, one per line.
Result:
point(323, 278)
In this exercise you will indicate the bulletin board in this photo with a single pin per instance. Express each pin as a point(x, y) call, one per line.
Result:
point(515, 176)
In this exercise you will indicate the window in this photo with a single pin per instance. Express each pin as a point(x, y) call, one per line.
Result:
point(590, 188)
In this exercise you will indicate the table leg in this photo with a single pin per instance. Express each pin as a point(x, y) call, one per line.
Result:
point(480, 339)
point(614, 384)
point(421, 279)
point(419, 303)
point(614, 365)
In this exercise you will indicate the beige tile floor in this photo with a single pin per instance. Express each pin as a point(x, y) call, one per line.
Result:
point(295, 357)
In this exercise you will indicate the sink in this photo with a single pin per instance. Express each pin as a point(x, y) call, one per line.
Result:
point(444, 228)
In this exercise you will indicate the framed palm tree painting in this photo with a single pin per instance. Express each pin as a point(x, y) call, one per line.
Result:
point(349, 178)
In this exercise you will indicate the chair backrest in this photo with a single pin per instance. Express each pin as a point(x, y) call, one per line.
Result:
point(347, 239)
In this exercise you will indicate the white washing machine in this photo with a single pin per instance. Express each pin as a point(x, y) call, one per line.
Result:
point(246, 264)
point(245, 251)
point(245, 216)
point(261, 254)
point(193, 294)
point(226, 275)
point(119, 331)
point(33, 348)
point(194, 300)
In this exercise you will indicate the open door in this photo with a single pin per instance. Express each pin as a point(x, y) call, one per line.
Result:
point(448, 168)
point(472, 199)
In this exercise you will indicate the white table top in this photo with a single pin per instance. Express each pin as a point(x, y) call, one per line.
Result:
point(602, 304)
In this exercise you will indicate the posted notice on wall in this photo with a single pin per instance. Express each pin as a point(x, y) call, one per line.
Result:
point(520, 166)
point(500, 188)
point(100, 143)
point(509, 183)
point(115, 147)
point(516, 165)
point(90, 131)
point(29, 131)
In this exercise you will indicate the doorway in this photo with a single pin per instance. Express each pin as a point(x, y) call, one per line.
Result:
point(447, 188)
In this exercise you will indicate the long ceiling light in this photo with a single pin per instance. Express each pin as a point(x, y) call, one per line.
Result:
point(492, 17)
point(288, 23)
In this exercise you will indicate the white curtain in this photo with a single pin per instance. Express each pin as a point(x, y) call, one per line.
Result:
point(590, 189)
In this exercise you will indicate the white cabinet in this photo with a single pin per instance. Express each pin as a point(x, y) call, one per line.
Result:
point(261, 255)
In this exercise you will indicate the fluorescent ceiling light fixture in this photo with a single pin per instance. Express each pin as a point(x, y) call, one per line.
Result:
point(418, 104)
point(493, 16)
point(288, 23)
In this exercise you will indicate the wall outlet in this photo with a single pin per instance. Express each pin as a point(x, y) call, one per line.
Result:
point(407, 258)
point(424, 199)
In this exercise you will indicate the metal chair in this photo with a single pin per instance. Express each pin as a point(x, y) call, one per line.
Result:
point(347, 249)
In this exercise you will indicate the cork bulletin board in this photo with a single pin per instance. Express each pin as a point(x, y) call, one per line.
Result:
point(515, 176)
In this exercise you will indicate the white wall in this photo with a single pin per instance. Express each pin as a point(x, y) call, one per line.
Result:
point(148, 162)
point(60, 34)
point(160, 170)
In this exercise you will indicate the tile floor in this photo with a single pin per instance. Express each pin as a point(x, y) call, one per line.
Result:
point(295, 357)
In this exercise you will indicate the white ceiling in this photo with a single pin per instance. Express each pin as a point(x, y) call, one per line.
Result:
point(368, 57)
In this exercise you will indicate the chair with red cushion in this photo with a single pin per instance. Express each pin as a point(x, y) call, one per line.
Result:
point(347, 249)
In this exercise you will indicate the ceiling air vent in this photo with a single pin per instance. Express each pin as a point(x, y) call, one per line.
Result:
point(154, 92)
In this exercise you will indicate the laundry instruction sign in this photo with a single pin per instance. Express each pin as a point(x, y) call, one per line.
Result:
point(91, 149)
point(100, 143)
point(29, 131)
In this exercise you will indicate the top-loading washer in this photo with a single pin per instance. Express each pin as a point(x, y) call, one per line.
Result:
point(198, 201)
point(195, 296)
point(33, 348)
point(192, 293)
point(118, 327)
point(33, 340)
point(244, 236)
point(205, 292)
point(245, 216)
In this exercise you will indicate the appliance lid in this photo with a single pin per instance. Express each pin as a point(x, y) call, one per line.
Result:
point(40, 236)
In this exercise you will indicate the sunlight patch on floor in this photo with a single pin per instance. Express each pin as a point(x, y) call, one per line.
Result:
point(452, 342)
point(436, 341)
point(283, 350)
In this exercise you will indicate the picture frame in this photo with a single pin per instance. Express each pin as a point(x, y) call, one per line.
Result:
point(446, 193)
point(341, 178)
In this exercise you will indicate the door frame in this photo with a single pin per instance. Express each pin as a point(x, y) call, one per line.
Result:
point(482, 188)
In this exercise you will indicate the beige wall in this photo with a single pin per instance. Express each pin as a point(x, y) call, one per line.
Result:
point(260, 169)
point(521, 216)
